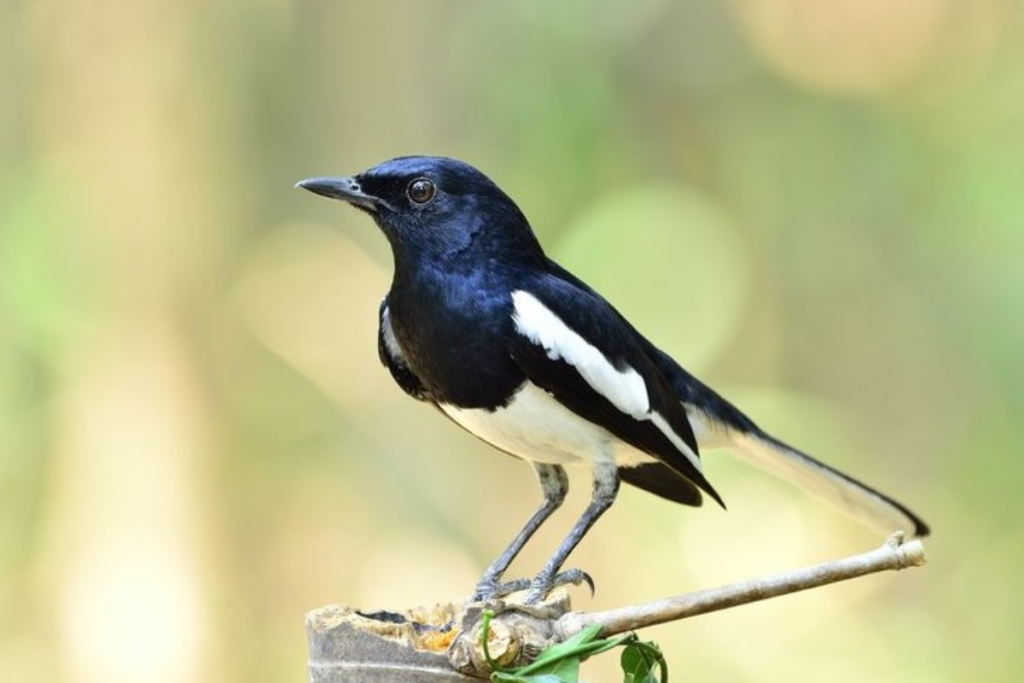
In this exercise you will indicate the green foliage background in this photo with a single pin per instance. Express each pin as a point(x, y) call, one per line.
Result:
point(819, 208)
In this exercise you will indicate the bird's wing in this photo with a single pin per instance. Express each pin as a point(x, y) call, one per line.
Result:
point(720, 424)
point(391, 356)
point(573, 344)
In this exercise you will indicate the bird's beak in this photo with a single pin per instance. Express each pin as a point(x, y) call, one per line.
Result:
point(345, 189)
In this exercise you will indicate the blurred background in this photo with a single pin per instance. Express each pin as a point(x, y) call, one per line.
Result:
point(817, 207)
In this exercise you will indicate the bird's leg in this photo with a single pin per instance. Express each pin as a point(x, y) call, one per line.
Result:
point(555, 485)
point(606, 487)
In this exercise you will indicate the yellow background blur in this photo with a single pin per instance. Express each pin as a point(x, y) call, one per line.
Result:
point(816, 206)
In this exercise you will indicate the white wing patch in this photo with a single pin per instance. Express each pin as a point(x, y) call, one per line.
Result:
point(666, 429)
point(625, 389)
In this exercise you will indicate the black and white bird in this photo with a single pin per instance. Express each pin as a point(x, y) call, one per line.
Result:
point(527, 357)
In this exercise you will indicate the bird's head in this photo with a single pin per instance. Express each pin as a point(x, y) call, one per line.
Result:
point(435, 209)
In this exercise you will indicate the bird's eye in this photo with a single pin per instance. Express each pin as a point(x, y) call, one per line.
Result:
point(421, 190)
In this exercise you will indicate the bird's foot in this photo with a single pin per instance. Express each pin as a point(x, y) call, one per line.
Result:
point(539, 586)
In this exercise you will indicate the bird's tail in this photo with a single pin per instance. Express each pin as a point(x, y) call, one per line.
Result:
point(851, 496)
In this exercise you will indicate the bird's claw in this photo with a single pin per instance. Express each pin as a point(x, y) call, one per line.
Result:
point(539, 586)
point(543, 584)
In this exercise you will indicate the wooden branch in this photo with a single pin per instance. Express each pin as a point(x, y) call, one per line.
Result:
point(351, 646)
point(894, 555)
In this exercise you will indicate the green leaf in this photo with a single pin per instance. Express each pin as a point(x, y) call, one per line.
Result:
point(639, 661)
point(567, 669)
point(572, 650)
point(505, 677)
point(560, 663)
point(570, 645)
point(635, 665)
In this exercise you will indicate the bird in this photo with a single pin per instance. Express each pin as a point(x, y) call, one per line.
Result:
point(481, 323)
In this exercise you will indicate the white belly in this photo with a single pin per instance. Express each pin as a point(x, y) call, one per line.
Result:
point(536, 427)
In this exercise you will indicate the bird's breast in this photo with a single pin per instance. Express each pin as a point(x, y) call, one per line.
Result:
point(534, 426)
point(453, 336)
